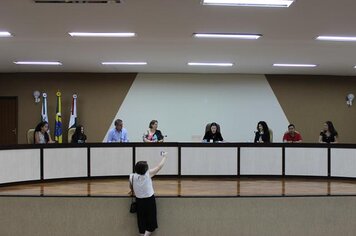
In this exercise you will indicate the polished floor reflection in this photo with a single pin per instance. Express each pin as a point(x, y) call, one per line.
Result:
point(190, 187)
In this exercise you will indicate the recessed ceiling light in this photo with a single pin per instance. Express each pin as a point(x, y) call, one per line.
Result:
point(125, 63)
point(336, 38)
point(294, 65)
point(49, 63)
point(228, 36)
point(250, 3)
point(92, 34)
point(209, 64)
point(5, 34)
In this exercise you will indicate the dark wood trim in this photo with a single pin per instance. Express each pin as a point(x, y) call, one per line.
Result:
point(88, 162)
point(185, 196)
point(41, 164)
point(179, 161)
point(177, 144)
point(133, 159)
point(17, 116)
point(180, 146)
point(17, 119)
point(283, 161)
point(238, 161)
point(329, 162)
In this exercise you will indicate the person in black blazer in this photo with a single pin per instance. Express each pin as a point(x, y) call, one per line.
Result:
point(262, 134)
point(213, 134)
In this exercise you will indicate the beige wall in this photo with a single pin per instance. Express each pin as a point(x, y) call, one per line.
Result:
point(292, 216)
point(309, 101)
point(99, 97)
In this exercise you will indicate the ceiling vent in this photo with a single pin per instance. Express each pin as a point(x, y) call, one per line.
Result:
point(78, 1)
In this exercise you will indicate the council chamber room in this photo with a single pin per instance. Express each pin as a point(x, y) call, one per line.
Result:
point(167, 118)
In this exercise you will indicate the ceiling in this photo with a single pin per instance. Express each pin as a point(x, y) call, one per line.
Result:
point(164, 39)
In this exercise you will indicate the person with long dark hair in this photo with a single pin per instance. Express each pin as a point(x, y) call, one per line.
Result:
point(262, 134)
point(213, 134)
point(328, 134)
point(153, 135)
point(141, 186)
point(79, 136)
point(41, 135)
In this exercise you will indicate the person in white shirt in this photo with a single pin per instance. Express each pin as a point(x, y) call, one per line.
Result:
point(141, 186)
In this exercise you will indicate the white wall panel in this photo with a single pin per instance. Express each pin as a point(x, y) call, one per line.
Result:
point(343, 162)
point(19, 165)
point(306, 161)
point(261, 161)
point(65, 162)
point(111, 161)
point(209, 161)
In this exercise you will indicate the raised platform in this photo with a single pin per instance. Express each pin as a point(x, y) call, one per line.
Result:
point(190, 187)
point(204, 189)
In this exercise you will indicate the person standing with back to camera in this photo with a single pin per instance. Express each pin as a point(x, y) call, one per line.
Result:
point(141, 186)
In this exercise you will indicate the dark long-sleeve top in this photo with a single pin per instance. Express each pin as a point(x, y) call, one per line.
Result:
point(265, 137)
point(80, 138)
point(217, 137)
point(328, 139)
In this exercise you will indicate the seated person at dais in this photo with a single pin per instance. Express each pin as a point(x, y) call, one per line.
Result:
point(79, 136)
point(328, 134)
point(41, 135)
point(292, 136)
point(213, 133)
point(118, 134)
point(153, 135)
point(262, 135)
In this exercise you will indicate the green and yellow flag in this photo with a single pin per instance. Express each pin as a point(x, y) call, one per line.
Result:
point(58, 128)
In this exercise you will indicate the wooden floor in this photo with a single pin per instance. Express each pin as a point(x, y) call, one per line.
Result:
point(190, 187)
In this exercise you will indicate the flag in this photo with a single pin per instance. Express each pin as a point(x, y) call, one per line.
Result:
point(44, 115)
point(58, 126)
point(73, 113)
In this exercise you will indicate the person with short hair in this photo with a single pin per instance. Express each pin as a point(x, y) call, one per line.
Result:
point(213, 134)
point(41, 135)
point(79, 136)
point(118, 134)
point(328, 134)
point(262, 134)
point(153, 135)
point(141, 186)
point(292, 136)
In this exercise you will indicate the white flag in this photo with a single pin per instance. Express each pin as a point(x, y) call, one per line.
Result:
point(44, 114)
point(73, 113)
